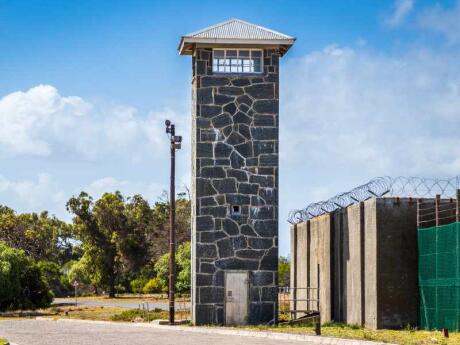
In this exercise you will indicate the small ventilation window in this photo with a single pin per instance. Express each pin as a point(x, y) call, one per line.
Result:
point(237, 61)
point(236, 210)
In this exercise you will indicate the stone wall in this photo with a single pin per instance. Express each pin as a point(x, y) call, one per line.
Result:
point(235, 163)
point(370, 249)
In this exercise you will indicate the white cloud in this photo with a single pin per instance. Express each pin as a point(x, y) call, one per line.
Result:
point(402, 8)
point(42, 122)
point(150, 191)
point(32, 195)
point(349, 115)
point(445, 21)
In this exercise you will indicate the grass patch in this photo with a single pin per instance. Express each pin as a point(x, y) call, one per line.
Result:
point(407, 336)
point(136, 315)
point(3, 341)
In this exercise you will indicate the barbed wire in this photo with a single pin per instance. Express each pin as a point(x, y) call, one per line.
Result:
point(411, 187)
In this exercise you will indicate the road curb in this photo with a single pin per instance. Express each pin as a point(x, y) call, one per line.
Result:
point(226, 331)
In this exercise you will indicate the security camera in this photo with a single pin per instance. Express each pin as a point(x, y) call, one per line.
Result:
point(167, 123)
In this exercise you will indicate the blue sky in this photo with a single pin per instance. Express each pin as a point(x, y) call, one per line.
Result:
point(370, 88)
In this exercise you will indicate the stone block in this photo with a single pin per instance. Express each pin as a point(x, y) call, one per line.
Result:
point(261, 212)
point(264, 120)
point(211, 236)
point(223, 99)
point(264, 133)
point(240, 82)
point(237, 199)
point(222, 120)
point(244, 99)
point(268, 160)
point(205, 314)
point(231, 90)
point(262, 278)
point(225, 185)
point(230, 108)
point(260, 243)
point(262, 181)
point(211, 294)
point(209, 111)
point(225, 248)
point(206, 251)
point(249, 254)
point(247, 230)
point(215, 211)
point(244, 131)
point(204, 223)
point(207, 267)
point(204, 96)
point(239, 242)
point(237, 264)
point(266, 228)
point(241, 117)
point(213, 172)
point(261, 312)
point(203, 279)
point(261, 91)
point(240, 175)
point(270, 261)
point(214, 81)
point(248, 188)
point(266, 106)
point(236, 160)
point(230, 227)
point(222, 150)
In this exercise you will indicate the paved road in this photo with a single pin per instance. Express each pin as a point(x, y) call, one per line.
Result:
point(39, 332)
point(124, 304)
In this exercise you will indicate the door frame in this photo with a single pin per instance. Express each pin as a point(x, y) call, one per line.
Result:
point(248, 286)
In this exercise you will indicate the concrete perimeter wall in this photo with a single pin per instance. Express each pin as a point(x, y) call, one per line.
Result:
point(367, 258)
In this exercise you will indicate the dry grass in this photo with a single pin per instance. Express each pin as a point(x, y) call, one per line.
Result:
point(403, 337)
point(95, 313)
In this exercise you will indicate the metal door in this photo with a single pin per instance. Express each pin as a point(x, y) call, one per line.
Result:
point(236, 298)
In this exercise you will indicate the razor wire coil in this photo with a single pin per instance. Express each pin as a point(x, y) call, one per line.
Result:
point(401, 186)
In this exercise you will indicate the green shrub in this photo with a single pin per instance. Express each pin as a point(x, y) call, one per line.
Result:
point(136, 314)
point(138, 284)
point(152, 286)
point(183, 269)
point(23, 285)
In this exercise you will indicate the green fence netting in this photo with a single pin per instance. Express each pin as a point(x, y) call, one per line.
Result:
point(439, 276)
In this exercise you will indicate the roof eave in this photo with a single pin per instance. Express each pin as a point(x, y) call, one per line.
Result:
point(191, 41)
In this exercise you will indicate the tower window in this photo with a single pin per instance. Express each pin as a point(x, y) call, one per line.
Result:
point(237, 61)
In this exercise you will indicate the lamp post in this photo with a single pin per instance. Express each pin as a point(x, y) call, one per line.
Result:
point(175, 144)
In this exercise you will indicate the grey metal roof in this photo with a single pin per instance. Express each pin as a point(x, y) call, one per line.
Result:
point(235, 31)
point(239, 29)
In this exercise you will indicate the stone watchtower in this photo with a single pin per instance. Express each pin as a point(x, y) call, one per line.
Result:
point(235, 171)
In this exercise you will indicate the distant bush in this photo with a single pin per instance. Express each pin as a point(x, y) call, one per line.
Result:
point(152, 286)
point(23, 285)
point(57, 281)
point(138, 284)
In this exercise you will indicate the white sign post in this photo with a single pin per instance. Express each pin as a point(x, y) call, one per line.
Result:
point(75, 285)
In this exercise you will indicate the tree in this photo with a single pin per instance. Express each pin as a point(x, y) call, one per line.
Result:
point(22, 284)
point(183, 269)
point(113, 232)
point(283, 271)
point(40, 236)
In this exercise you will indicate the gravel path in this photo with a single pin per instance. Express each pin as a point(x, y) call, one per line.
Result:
point(39, 332)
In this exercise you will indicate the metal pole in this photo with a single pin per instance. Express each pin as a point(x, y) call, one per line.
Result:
point(76, 295)
point(437, 203)
point(172, 230)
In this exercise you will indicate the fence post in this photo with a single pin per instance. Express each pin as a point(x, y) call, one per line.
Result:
point(318, 319)
point(436, 204)
point(419, 202)
point(457, 211)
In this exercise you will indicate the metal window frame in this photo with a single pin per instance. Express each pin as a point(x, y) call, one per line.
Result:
point(239, 64)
